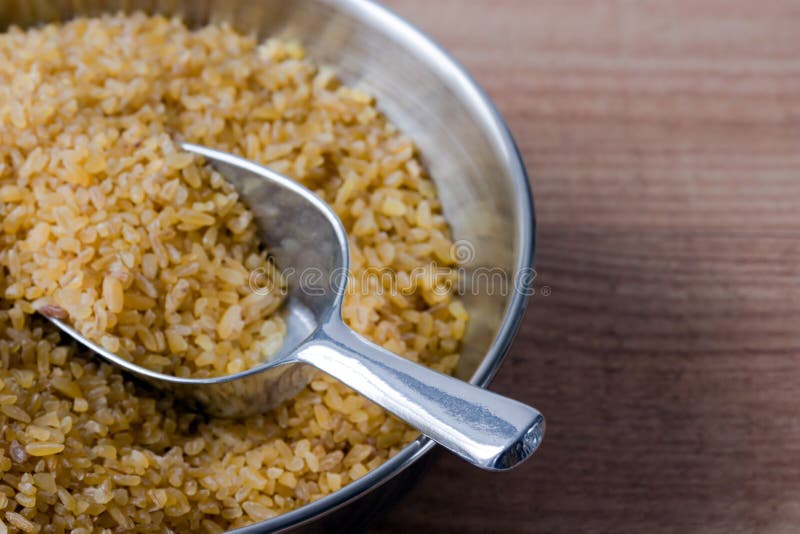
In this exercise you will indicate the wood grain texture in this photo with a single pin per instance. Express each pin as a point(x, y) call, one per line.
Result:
point(663, 142)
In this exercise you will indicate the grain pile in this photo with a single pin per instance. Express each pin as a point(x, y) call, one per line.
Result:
point(148, 252)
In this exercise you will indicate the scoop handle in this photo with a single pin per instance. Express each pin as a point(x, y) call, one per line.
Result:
point(486, 429)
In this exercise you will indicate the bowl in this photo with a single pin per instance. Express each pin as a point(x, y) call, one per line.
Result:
point(464, 144)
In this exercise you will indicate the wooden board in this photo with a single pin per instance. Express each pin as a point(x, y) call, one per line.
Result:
point(663, 142)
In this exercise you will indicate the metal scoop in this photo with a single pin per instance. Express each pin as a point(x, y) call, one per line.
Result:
point(308, 241)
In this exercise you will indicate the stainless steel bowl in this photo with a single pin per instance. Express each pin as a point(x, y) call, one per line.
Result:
point(463, 142)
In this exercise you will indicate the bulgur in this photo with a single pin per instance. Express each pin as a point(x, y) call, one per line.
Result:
point(106, 221)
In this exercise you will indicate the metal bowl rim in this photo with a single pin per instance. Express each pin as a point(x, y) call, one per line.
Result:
point(468, 90)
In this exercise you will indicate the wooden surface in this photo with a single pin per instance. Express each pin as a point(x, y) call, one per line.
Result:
point(663, 142)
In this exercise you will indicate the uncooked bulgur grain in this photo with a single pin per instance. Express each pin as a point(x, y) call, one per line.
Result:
point(106, 221)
